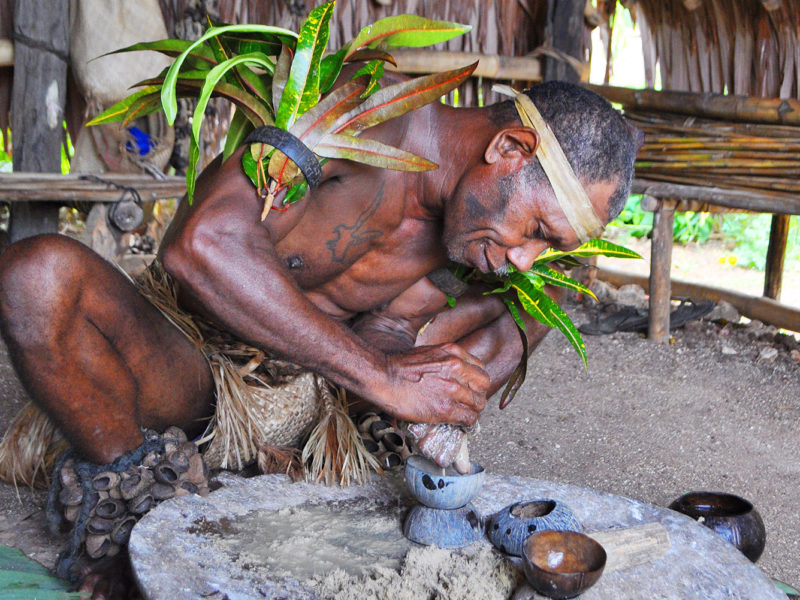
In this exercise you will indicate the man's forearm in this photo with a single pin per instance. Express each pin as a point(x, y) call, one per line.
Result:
point(482, 326)
point(499, 346)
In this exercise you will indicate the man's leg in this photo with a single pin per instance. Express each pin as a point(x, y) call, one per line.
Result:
point(98, 358)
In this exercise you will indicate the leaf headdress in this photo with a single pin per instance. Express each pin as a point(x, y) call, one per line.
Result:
point(276, 79)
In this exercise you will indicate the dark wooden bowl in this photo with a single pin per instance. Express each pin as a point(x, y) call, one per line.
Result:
point(562, 564)
point(730, 516)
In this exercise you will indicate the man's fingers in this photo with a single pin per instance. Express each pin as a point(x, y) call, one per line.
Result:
point(459, 352)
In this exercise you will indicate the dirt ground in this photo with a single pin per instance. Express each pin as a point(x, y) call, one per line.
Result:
point(713, 410)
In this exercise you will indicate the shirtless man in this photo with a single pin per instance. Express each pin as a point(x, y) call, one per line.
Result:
point(336, 283)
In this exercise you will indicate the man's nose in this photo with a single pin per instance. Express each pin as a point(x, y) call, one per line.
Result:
point(522, 257)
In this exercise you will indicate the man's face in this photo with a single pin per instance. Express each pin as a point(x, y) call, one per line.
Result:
point(490, 227)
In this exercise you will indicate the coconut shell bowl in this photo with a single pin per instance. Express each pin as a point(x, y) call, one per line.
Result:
point(445, 517)
point(730, 516)
point(508, 528)
point(562, 564)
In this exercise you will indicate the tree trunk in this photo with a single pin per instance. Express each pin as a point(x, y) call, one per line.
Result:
point(565, 32)
point(41, 43)
point(776, 253)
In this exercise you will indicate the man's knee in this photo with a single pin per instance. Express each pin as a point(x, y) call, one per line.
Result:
point(39, 283)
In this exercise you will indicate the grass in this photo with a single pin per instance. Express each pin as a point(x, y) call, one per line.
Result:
point(745, 235)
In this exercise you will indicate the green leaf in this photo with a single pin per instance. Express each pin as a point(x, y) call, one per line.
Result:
point(184, 75)
point(371, 152)
point(531, 298)
point(199, 57)
point(237, 131)
point(250, 167)
point(142, 107)
point(209, 85)
point(329, 69)
point(249, 104)
point(168, 93)
point(243, 43)
point(512, 308)
point(564, 324)
point(553, 277)
point(399, 98)
point(367, 54)
point(214, 77)
point(243, 77)
point(591, 248)
point(302, 88)
point(118, 111)
point(281, 75)
point(295, 193)
point(191, 169)
point(407, 30)
point(786, 589)
point(568, 261)
point(374, 70)
point(542, 308)
point(255, 83)
point(501, 290)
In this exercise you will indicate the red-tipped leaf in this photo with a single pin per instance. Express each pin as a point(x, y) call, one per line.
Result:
point(400, 98)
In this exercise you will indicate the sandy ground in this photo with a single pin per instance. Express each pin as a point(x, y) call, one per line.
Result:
point(645, 421)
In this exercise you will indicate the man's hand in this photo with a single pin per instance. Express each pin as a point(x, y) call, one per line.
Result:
point(434, 384)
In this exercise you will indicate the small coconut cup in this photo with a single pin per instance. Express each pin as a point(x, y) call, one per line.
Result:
point(510, 527)
point(449, 491)
point(562, 564)
point(729, 516)
point(443, 528)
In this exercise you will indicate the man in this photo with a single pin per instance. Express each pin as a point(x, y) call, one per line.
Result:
point(337, 283)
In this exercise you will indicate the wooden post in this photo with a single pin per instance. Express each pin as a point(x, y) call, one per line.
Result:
point(660, 265)
point(776, 252)
point(41, 54)
point(565, 32)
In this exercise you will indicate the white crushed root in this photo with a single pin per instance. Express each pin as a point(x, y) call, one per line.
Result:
point(428, 573)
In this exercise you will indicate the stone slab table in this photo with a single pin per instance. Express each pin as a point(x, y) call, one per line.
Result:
point(175, 556)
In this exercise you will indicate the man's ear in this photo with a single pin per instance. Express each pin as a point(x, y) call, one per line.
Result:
point(513, 143)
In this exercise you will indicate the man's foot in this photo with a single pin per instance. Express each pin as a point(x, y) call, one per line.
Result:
point(100, 504)
point(109, 579)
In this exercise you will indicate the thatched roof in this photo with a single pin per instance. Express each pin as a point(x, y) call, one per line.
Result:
point(743, 47)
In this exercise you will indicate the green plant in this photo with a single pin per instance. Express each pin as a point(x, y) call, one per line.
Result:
point(749, 234)
point(633, 221)
point(526, 291)
point(237, 62)
point(636, 222)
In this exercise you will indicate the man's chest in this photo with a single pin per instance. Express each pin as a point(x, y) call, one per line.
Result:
point(348, 266)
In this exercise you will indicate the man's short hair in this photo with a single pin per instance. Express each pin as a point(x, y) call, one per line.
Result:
point(596, 139)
